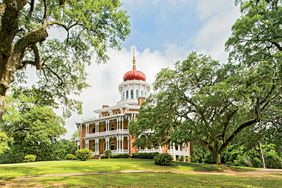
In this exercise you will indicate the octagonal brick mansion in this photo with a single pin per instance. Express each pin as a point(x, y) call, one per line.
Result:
point(110, 131)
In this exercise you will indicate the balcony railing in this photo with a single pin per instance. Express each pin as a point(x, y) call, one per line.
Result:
point(107, 133)
point(149, 150)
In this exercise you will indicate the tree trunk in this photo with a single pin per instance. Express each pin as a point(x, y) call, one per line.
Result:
point(216, 156)
point(262, 156)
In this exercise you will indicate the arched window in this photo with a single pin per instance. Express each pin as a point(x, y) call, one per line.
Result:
point(126, 94)
point(93, 130)
point(131, 94)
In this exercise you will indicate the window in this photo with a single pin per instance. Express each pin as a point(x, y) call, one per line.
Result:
point(112, 127)
point(126, 94)
point(141, 93)
point(137, 93)
point(123, 95)
point(132, 94)
point(93, 130)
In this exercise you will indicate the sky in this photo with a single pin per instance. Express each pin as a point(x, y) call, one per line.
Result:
point(163, 32)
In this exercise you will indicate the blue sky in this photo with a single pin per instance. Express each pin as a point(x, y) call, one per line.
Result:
point(157, 24)
point(163, 32)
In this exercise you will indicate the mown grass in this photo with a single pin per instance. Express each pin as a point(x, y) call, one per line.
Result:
point(105, 165)
point(163, 180)
point(178, 175)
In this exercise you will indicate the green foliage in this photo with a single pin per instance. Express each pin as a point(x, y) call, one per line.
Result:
point(3, 142)
point(124, 155)
point(256, 35)
point(70, 156)
point(87, 29)
point(201, 154)
point(243, 156)
point(205, 102)
point(83, 154)
point(163, 159)
point(108, 154)
point(29, 158)
point(144, 155)
point(33, 128)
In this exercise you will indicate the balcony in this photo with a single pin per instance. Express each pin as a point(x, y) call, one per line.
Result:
point(108, 133)
point(153, 150)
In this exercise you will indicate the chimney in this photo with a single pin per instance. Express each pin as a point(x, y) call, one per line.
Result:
point(105, 106)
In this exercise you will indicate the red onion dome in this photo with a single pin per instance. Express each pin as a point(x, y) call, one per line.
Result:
point(134, 75)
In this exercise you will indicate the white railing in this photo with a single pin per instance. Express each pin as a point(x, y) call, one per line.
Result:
point(107, 133)
point(120, 151)
point(149, 150)
point(178, 152)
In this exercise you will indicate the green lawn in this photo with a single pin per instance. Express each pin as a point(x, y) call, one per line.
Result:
point(179, 175)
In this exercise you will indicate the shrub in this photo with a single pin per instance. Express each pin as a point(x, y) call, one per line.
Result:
point(83, 154)
point(70, 156)
point(124, 155)
point(29, 158)
point(163, 159)
point(108, 154)
point(273, 160)
point(257, 162)
point(144, 155)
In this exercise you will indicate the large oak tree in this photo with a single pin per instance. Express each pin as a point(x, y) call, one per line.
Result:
point(28, 36)
point(204, 102)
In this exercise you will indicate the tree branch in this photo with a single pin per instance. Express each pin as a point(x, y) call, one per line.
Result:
point(36, 57)
point(238, 130)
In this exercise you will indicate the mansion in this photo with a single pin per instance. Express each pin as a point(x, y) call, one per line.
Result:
point(110, 130)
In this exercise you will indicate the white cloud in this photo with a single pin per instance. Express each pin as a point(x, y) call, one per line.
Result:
point(218, 17)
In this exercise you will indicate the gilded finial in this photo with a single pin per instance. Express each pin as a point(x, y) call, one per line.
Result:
point(133, 59)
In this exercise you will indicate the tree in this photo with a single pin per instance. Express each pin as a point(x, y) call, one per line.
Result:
point(257, 34)
point(207, 103)
point(86, 26)
point(33, 127)
point(3, 142)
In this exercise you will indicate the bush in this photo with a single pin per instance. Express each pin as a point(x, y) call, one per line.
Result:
point(273, 160)
point(124, 155)
point(257, 162)
point(70, 156)
point(83, 154)
point(163, 159)
point(29, 158)
point(144, 155)
point(108, 154)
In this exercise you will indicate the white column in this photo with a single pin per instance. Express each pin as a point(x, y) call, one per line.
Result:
point(87, 129)
point(97, 145)
point(96, 127)
point(87, 144)
point(122, 143)
point(117, 143)
point(173, 149)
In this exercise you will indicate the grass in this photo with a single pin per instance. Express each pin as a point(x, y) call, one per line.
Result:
point(179, 175)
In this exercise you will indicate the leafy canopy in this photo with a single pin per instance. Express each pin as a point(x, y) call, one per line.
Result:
point(205, 102)
point(58, 38)
point(33, 127)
